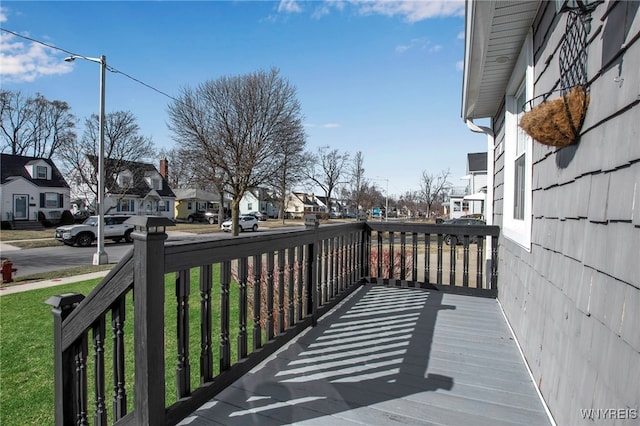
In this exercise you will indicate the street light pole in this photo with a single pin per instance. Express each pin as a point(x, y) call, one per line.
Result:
point(100, 257)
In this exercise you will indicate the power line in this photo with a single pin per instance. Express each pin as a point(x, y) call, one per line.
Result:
point(110, 68)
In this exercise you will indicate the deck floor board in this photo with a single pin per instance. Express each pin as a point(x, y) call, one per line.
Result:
point(389, 356)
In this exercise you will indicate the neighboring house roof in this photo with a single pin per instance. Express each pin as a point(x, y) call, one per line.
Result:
point(138, 171)
point(12, 166)
point(195, 194)
point(495, 33)
point(477, 162)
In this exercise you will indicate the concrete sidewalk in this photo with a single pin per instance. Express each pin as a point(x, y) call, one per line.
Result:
point(18, 288)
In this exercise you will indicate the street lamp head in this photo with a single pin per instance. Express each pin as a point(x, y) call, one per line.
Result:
point(70, 59)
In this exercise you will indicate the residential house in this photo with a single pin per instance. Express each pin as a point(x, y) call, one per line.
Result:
point(131, 187)
point(258, 200)
point(477, 186)
point(300, 203)
point(569, 276)
point(189, 201)
point(31, 189)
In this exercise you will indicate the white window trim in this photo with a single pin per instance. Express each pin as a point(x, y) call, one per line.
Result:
point(518, 230)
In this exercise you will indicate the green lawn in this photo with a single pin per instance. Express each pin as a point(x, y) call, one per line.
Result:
point(26, 349)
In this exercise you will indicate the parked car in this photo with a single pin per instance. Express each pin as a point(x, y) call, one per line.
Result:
point(335, 215)
point(453, 240)
point(258, 215)
point(86, 233)
point(245, 222)
point(352, 215)
point(81, 215)
point(203, 216)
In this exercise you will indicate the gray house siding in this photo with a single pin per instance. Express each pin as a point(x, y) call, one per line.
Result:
point(573, 300)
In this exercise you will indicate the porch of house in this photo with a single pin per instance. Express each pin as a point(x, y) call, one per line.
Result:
point(358, 323)
point(389, 355)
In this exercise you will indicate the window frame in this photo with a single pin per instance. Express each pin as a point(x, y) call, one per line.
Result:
point(40, 169)
point(516, 224)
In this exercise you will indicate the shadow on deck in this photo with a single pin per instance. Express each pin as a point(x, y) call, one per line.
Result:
point(389, 355)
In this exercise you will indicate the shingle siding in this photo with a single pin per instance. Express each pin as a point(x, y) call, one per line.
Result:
point(574, 299)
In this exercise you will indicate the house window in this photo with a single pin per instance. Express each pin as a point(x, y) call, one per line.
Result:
point(51, 200)
point(126, 205)
point(163, 206)
point(189, 205)
point(41, 172)
point(125, 181)
point(155, 183)
point(518, 152)
point(250, 206)
point(520, 161)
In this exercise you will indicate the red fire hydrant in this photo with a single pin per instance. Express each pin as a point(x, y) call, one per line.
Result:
point(7, 270)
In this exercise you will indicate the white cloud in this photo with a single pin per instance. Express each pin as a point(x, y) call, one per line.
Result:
point(289, 6)
point(26, 61)
point(460, 65)
point(411, 11)
point(3, 14)
point(419, 44)
point(461, 35)
point(331, 125)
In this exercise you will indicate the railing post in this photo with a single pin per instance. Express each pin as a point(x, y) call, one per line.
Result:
point(148, 305)
point(62, 305)
point(311, 222)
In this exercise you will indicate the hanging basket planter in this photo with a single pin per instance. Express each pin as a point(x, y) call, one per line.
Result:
point(557, 122)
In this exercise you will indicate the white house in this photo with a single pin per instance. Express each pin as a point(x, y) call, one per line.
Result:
point(131, 187)
point(31, 189)
point(258, 200)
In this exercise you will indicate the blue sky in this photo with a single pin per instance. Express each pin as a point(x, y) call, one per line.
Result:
point(381, 77)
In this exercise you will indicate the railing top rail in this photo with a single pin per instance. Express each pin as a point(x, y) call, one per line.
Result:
point(432, 228)
point(99, 300)
point(188, 254)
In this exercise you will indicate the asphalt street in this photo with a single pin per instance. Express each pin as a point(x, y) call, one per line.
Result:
point(48, 259)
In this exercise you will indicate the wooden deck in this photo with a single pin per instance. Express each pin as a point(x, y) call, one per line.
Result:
point(389, 356)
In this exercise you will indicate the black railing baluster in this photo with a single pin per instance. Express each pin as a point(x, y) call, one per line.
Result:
point(291, 261)
point(257, 302)
point(452, 261)
point(119, 390)
point(225, 346)
point(326, 280)
point(403, 256)
point(183, 368)
point(414, 257)
point(310, 280)
point(392, 264)
point(439, 261)
point(494, 262)
point(80, 349)
point(479, 261)
point(465, 261)
point(98, 329)
point(333, 282)
point(380, 255)
point(270, 320)
point(427, 258)
point(281, 323)
point(206, 342)
point(300, 262)
point(242, 307)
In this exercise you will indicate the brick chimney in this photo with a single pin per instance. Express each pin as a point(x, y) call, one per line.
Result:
point(164, 167)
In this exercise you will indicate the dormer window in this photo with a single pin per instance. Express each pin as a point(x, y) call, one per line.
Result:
point(41, 172)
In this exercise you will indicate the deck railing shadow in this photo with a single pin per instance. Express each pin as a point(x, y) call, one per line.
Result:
point(189, 318)
point(375, 348)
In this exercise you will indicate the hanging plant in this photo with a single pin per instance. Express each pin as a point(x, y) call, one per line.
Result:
point(557, 122)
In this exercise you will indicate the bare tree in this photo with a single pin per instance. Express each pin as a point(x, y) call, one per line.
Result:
point(34, 126)
point(123, 144)
point(328, 170)
point(433, 187)
point(293, 163)
point(358, 182)
point(239, 127)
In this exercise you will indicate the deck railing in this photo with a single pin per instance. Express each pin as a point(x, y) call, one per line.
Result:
point(227, 305)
